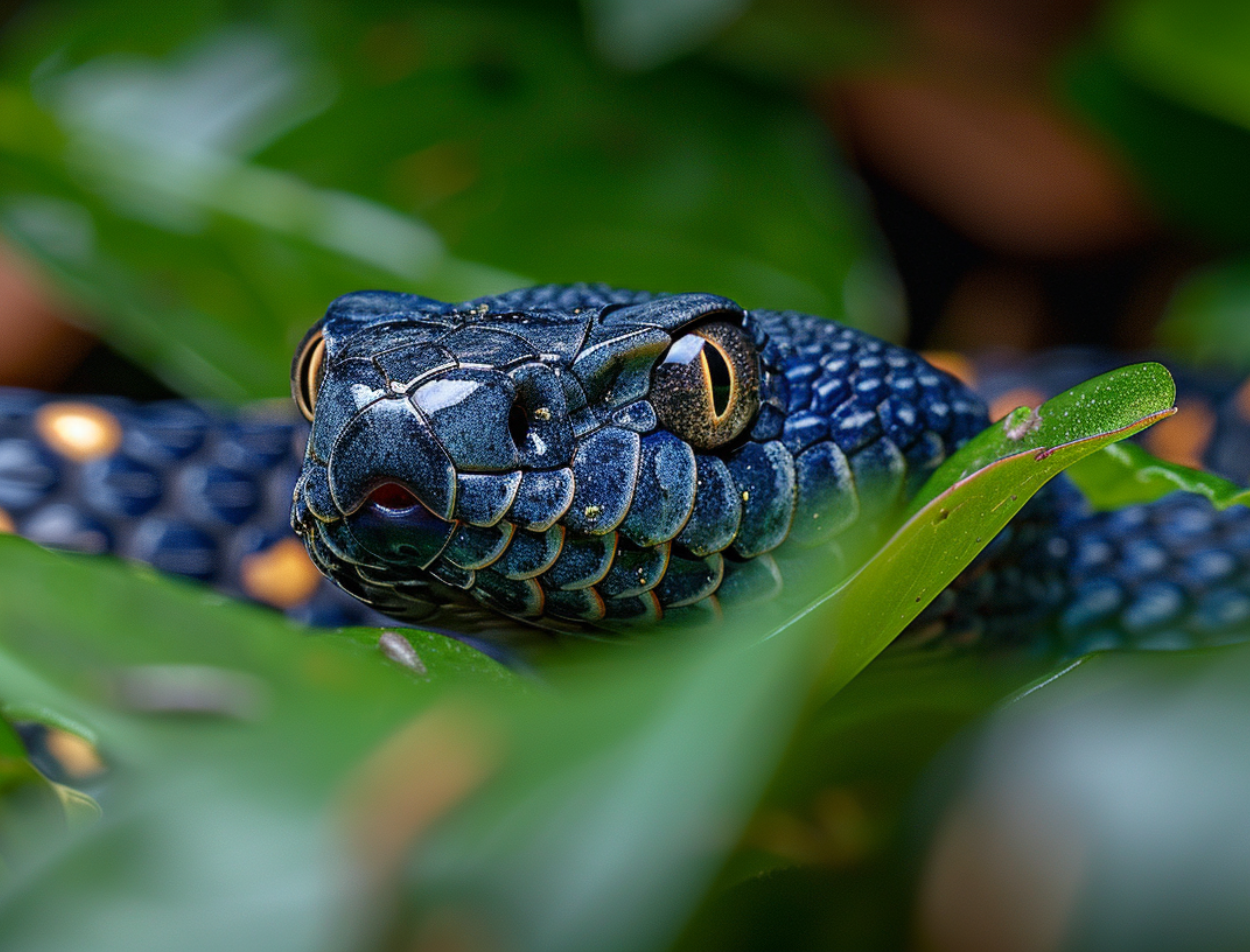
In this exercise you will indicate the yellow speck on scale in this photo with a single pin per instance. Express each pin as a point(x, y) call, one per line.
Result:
point(281, 575)
point(745, 496)
point(542, 413)
point(78, 431)
point(591, 512)
point(6, 522)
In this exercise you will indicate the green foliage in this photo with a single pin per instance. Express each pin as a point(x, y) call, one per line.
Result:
point(1126, 475)
point(451, 150)
point(1126, 767)
point(976, 492)
point(1209, 316)
point(742, 787)
point(1167, 81)
point(258, 769)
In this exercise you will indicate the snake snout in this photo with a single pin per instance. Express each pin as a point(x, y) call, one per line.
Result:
point(389, 442)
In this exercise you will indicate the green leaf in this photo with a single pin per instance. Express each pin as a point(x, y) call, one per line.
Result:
point(228, 732)
point(1208, 318)
point(1126, 475)
point(1116, 786)
point(1194, 51)
point(642, 34)
point(1166, 82)
point(620, 798)
point(35, 813)
point(11, 745)
point(974, 495)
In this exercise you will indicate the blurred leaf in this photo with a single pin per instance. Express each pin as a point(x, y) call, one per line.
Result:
point(641, 34)
point(1208, 318)
point(1107, 804)
point(34, 812)
point(1193, 51)
point(80, 809)
point(1124, 474)
point(1166, 81)
point(11, 746)
point(206, 184)
point(228, 733)
point(803, 44)
point(620, 797)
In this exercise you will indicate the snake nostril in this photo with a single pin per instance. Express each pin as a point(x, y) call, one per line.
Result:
point(518, 425)
point(394, 497)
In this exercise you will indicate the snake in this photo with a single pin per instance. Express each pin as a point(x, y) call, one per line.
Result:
point(588, 460)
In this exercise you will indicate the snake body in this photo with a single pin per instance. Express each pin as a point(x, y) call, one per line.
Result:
point(584, 457)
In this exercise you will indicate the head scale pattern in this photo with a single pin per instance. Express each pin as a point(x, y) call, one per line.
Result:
point(556, 454)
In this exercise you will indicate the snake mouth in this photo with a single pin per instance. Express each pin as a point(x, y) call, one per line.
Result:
point(398, 527)
point(394, 499)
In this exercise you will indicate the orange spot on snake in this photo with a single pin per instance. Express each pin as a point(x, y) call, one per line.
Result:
point(6, 523)
point(1185, 436)
point(1241, 400)
point(78, 431)
point(1004, 403)
point(76, 756)
point(955, 364)
point(281, 575)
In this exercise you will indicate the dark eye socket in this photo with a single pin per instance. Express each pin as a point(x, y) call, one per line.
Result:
point(306, 378)
point(706, 388)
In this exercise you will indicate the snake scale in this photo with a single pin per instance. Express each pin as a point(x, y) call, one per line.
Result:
point(580, 457)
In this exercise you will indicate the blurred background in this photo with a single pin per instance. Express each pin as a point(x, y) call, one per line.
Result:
point(183, 188)
point(182, 191)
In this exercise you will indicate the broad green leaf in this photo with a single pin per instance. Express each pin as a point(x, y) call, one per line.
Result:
point(621, 796)
point(1124, 474)
point(228, 734)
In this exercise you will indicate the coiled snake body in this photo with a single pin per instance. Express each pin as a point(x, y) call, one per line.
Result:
point(582, 457)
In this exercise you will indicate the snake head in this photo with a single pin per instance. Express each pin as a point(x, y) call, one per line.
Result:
point(592, 456)
point(443, 434)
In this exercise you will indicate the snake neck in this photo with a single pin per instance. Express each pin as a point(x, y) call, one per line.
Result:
point(1064, 579)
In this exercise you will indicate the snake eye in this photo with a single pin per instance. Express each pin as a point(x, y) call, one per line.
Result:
point(706, 390)
point(307, 372)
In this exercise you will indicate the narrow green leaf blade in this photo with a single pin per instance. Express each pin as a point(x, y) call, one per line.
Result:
point(1124, 474)
point(973, 496)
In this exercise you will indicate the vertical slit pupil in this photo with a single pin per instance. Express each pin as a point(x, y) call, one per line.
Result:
point(518, 424)
point(722, 379)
